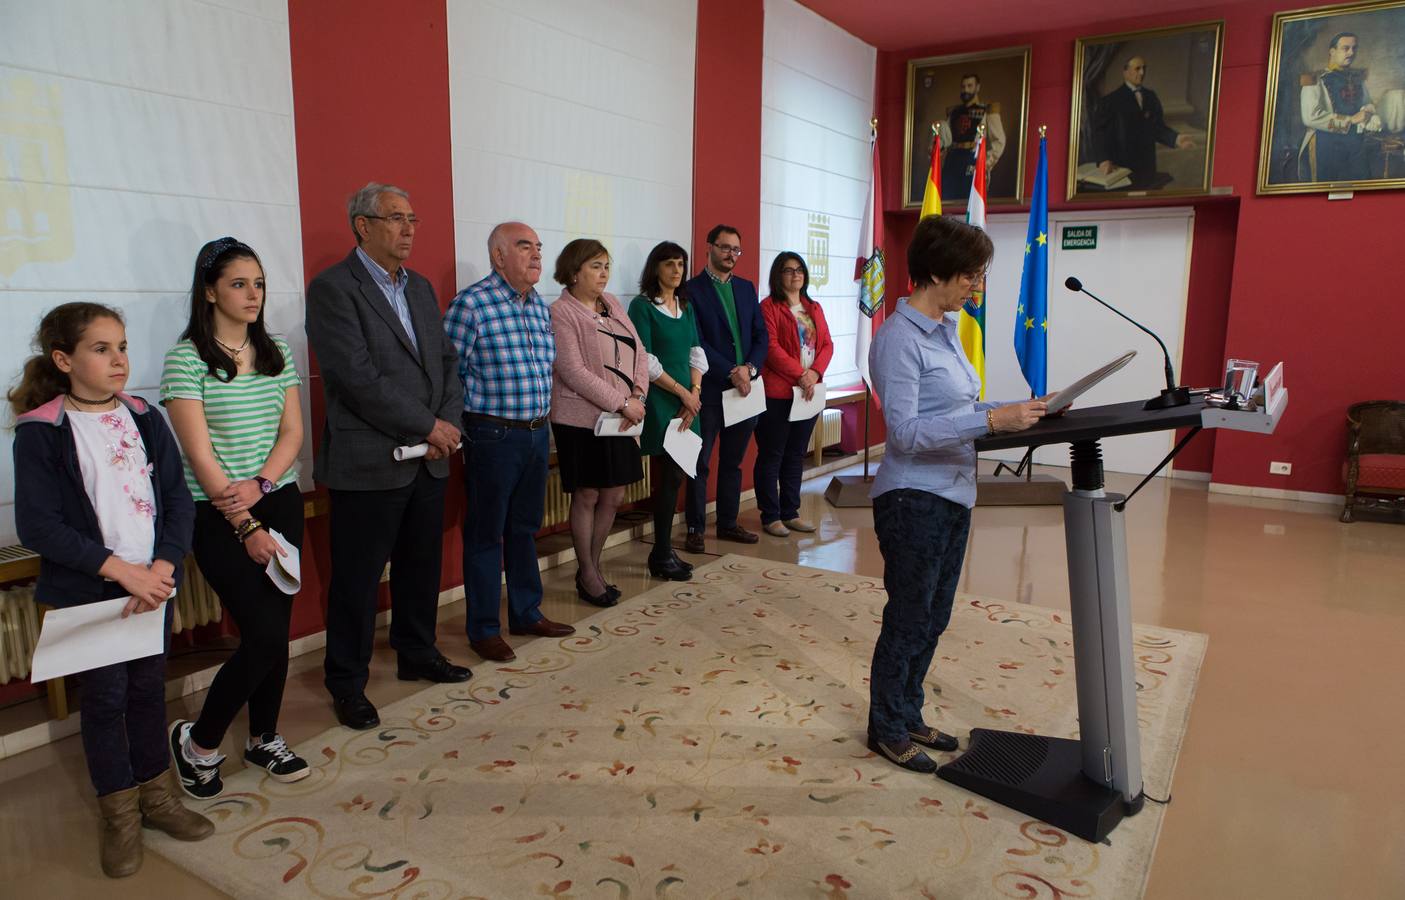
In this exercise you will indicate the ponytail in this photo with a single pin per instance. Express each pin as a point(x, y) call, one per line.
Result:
point(60, 329)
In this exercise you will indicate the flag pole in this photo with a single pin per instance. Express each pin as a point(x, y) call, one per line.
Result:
point(868, 391)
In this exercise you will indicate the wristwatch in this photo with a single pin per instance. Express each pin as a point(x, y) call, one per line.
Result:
point(265, 486)
point(752, 369)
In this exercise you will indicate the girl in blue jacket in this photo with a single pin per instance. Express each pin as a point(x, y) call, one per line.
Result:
point(100, 496)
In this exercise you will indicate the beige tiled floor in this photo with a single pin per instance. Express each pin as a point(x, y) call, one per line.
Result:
point(1291, 778)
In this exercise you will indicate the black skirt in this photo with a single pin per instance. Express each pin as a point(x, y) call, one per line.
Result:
point(587, 461)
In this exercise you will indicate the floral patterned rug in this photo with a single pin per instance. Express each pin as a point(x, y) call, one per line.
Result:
point(703, 739)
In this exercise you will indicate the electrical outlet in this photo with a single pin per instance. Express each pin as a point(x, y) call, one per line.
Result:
point(1280, 468)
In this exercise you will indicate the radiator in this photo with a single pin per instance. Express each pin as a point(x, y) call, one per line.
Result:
point(196, 604)
point(558, 502)
point(827, 431)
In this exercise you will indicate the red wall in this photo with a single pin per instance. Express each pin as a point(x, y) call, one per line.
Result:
point(1269, 275)
point(727, 142)
point(358, 119)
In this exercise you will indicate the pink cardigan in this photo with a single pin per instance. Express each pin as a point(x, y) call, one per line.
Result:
point(581, 389)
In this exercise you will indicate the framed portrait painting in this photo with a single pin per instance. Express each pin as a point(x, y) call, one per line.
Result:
point(1334, 111)
point(1144, 108)
point(956, 96)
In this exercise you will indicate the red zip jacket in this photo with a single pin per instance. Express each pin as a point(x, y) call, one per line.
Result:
point(783, 369)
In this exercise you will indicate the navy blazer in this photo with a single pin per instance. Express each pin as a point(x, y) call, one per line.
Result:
point(715, 334)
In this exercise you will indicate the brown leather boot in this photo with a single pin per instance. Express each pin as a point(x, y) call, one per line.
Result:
point(121, 833)
point(162, 811)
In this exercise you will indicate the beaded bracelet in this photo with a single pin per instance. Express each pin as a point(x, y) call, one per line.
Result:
point(246, 528)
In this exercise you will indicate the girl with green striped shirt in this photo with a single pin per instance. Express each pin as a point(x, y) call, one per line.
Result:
point(232, 393)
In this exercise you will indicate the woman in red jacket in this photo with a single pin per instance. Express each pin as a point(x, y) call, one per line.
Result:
point(800, 351)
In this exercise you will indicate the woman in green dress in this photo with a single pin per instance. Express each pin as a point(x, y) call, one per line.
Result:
point(669, 331)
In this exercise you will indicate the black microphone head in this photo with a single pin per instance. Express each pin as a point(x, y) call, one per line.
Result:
point(1073, 284)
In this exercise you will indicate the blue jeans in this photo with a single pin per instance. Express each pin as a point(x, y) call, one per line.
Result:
point(505, 483)
point(780, 461)
point(923, 541)
point(124, 719)
point(729, 469)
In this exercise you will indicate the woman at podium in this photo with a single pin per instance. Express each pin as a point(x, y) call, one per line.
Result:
point(926, 485)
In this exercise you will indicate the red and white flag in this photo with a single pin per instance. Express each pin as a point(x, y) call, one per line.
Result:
point(868, 267)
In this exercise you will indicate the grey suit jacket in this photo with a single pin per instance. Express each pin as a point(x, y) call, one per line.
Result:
point(379, 392)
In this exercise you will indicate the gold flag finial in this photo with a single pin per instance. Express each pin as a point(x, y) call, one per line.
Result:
point(1042, 130)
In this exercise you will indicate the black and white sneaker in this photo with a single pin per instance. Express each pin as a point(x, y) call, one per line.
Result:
point(199, 776)
point(270, 751)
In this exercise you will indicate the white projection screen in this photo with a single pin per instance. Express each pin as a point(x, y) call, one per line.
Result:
point(816, 101)
point(129, 136)
point(576, 118)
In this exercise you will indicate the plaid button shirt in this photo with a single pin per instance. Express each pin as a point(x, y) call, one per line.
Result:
point(506, 349)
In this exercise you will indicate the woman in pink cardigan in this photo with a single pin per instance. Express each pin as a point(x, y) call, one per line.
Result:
point(601, 367)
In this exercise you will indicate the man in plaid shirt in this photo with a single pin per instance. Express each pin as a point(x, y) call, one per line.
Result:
point(506, 349)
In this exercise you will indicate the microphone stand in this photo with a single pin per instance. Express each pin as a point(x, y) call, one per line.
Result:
point(1172, 396)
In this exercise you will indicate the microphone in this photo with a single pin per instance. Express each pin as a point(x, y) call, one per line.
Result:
point(1172, 396)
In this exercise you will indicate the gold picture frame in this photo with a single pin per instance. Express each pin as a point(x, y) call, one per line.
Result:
point(1310, 143)
point(934, 96)
point(1123, 145)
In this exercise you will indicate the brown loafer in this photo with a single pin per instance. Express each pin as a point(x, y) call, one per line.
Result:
point(695, 542)
point(738, 534)
point(494, 649)
point(544, 628)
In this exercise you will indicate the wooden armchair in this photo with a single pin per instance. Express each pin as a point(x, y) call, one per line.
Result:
point(1375, 456)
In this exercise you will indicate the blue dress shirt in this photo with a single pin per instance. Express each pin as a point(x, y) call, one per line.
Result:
point(394, 290)
point(928, 392)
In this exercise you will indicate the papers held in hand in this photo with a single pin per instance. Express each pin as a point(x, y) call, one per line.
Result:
point(683, 446)
point(415, 451)
point(80, 638)
point(802, 410)
point(736, 408)
point(608, 425)
point(1063, 398)
point(285, 571)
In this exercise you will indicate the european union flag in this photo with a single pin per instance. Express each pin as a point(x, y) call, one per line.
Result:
point(1032, 315)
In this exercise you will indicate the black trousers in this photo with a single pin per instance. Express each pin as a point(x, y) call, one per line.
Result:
point(404, 526)
point(732, 443)
point(923, 541)
point(780, 461)
point(665, 500)
point(257, 671)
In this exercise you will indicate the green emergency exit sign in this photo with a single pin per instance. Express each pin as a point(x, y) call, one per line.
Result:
point(1080, 237)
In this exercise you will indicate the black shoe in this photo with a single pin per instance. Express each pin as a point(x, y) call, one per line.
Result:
point(270, 752)
point(614, 591)
point(605, 600)
point(200, 780)
point(668, 570)
point(680, 561)
point(906, 755)
point(695, 542)
point(931, 737)
point(438, 670)
point(355, 711)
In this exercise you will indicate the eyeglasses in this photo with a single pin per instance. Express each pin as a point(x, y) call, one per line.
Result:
point(728, 249)
point(792, 270)
point(399, 220)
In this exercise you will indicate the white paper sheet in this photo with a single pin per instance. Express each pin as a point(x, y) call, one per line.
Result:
point(684, 446)
point(736, 408)
point(608, 425)
point(79, 638)
point(285, 571)
point(415, 451)
point(802, 409)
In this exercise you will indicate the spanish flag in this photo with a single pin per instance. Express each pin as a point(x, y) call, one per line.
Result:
point(971, 327)
point(931, 194)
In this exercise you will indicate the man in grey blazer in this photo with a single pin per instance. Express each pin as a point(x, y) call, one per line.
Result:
point(390, 379)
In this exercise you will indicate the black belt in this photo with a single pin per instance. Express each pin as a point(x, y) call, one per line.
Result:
point(525, 424)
